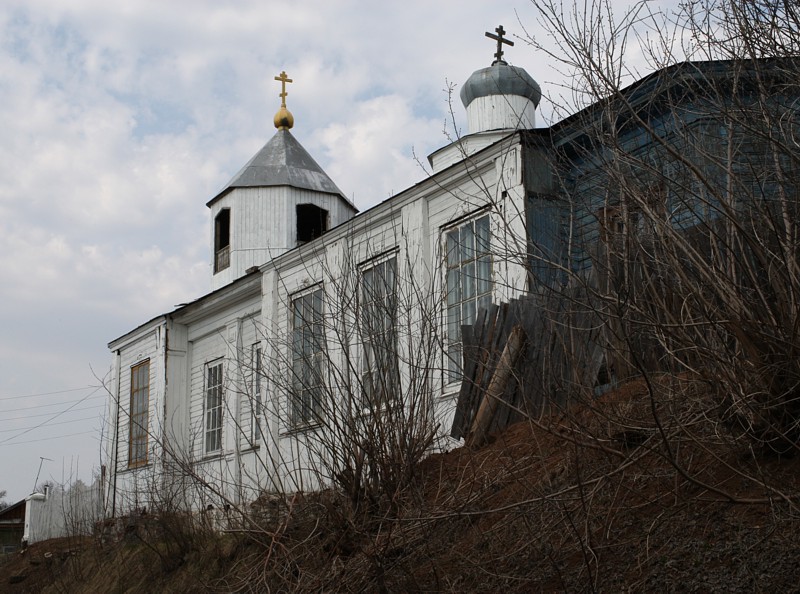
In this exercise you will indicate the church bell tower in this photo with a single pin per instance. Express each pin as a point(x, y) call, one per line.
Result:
point(280, 199)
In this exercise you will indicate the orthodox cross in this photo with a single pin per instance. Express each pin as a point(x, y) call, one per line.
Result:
point(498, 57)
point(285, 79)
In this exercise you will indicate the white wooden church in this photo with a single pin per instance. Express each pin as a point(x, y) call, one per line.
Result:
point(323, 322)
point(227, 391)
point(322, 319)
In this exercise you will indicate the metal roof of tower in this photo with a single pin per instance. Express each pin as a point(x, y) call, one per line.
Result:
point(282, 162)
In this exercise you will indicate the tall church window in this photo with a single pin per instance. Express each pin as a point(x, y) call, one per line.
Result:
point(222, 240)
point(139, 413)
point(213, 407)
point(380, 376)
point(257, 387)
point(312, 222)
point(308, 346)
point(469, 284)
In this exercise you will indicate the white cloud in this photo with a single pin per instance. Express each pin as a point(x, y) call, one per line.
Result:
point(373, 148)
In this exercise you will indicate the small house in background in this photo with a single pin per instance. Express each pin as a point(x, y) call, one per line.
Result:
point(53, 513)
point(12, 527)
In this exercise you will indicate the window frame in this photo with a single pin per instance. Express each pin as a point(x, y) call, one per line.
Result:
point(370, 367)
point(305, 400)
point(208, 412)
point(460, 308)
point(138, 417)
point(257, 391)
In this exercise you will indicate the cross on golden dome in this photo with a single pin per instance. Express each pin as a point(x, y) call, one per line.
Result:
point(284, 119)
point(284, 79)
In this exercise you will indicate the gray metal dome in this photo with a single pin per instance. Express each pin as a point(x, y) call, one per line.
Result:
point(500, 79)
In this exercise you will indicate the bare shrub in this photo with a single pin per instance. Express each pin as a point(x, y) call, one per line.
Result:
point(685, 183)
point(355, 384)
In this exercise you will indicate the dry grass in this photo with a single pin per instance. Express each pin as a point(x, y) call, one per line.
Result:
point(593, 499)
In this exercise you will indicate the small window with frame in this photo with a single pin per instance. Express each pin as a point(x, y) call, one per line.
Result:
point(214, 395)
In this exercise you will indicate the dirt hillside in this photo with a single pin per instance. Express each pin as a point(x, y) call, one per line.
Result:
point(647, 489)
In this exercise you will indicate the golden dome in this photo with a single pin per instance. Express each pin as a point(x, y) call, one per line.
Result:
point(283, 119)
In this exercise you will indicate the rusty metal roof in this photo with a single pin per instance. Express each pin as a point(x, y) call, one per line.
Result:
point(282, 162)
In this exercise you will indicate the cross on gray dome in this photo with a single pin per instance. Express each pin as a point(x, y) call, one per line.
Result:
point(498, 56)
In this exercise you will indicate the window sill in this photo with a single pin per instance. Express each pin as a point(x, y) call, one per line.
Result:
point(386, 408)
point(218, 455)
point(135, 467)
point(450, 391)
point(289, 431)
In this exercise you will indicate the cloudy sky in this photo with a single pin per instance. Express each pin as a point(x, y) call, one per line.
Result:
point(119, 120)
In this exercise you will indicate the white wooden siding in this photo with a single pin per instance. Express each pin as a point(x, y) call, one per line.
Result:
point(251, 334)
point(264, 224)
point(225, 335)
point(507, 111)
point(210, 348)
